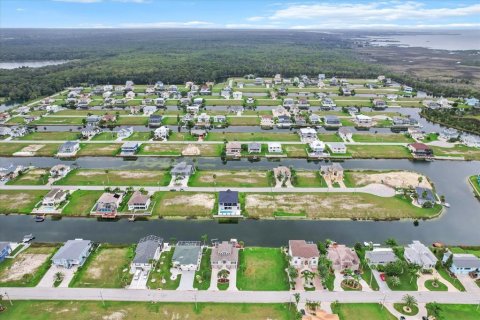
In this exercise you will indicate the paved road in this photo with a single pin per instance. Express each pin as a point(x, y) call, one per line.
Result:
point(232, 296)
point(375, 189)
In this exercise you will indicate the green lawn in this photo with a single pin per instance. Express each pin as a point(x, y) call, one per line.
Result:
point(27, 268)
point(105, 136)
point(162, 271)
point(401, 138)
point(45, 150)
point(16, 120)
point(367, 274)
point(202, 276)
point(140, 136)
point(446, 276)
point(105, 268)
point(306, 179)
point(407, 283)
point(81, 202)
point(59, 121)
point(471, 250)
point(330, 137)
point(96, 177)
point(293, 150)
point(252, 136)
point(37, 176)
point(440, 286)
point(361, 311)
point(379, 152)
point(132, 121)
point(98, 149)
point(89, 310)
point(50, 135)
point(170, 149)
point(181, 136)
point(262, 269)
point(184, 204)
point(457, 312)
point(234, 178)
point(475, 184)
point(243, 121)
point(19, 201)
point(458, 151)
point(399, 307)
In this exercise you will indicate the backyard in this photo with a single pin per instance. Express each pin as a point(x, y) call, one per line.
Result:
point(183, 204)
point(19, 201)
point(81, 202)
point(36, 176)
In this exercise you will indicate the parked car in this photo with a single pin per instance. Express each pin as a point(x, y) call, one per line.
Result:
point(382, 276)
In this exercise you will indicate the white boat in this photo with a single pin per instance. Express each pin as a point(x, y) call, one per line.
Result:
point(28, 238)
point(446, 204)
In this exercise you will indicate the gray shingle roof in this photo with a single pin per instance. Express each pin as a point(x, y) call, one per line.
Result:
point(146, 249)
point(72, 249)
point(187, 253)
point(228, 196)
point(466, 261)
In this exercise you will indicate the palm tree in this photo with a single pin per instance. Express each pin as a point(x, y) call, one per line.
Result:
point(409, 301)
point(413, 272)
point(307, 276)
point(2, 308)
point(292, 272)
point(348, 274)
point(420, 179)
point(296, 296)
point(204, 239)
point(434, 309)
point(108, 179)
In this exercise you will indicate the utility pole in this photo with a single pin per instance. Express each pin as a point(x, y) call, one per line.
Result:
point(101, 296)
point(8, 297)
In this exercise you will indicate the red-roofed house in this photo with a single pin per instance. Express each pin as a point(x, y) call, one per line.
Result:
point(303, 254)
point(420, 150)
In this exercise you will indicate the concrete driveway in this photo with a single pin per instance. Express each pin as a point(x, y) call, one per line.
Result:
point(469, 284)
point(186, 281)
point(381, 284)
point(49, 278)
point(213, 280)
point(141, 282)
point(232, 286)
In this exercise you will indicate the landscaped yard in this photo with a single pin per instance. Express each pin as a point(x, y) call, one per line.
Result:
point(262, 269)
point(334, 205)
point(183, 204)
point(382, 138)
point(37, 176)
point(251, 136)
point(229, 179)
point(98, 149)
point(202, 276)
point(361, 311)
point(19, 201)
point(107, 267)
point(96, 177)
point(162, 272)
point(27, 268)
point(81, 202)
point(121, 310)
point(457, 311)
point(379, 151)
point(50, 135)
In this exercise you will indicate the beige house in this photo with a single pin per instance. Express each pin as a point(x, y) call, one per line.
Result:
point(343, 257)
point(233, 148)
point(224, 255)
point(303, 254)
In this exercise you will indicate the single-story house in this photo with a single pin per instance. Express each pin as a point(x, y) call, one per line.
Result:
point(148, 250)
point(224, 255)
point(380, 256)
point(308, 133)
point(198, 132)
point(345, 133)
point(129, 148)
point(59, 171)
point(470, 140)
point(125, 133)
point(89, 132)
point(219, 119)
point(254, 147)
point(92, 120)
point(317, 146)
point(54, 197)
point(416, 133)
point(328, 103)
point(5, 250)
point(419, 254)
point(300, 120)
point(149, 110)
point(68, 148)
point(187, 255)
point(332, 121)
point(462, 263)
point(228, 203)
point(288, 103)
point(193, 109)
point(72, 253)
point(303, 254)
point(343, 257)
point(108, 204)
point(363, 120)
point(333, 171)
point(109, 118)
point(314, 118)
point(275, 147)
point(138, 201)
point(233, 148)
point(182, 169)
point(424, 195)
point(203, 119)
point(159, 102)
point(5, 131)
point(337, 147)
point(155, 120)
point(379, 104)
point(420, 150)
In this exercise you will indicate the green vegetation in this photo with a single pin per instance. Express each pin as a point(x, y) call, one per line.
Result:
point(379, 152)
point(20, 201)
point(251, 136)
point(461, 119)
point(308, 179)
point(243, 121)
point(367, 274)
point(132, 121)
point(294, 150)
point(202, 276)
point(65, 121)
point(105, 136)
point(446, 275)
point(96, 177)
point(107, 267)
point(81, 202)
point(457, 151)
point(87, 310)
point(139, 136)
point(262, 269)
point(170, 149)
point(98, 149)
point(399, 307)
point(36, 150)
point(476, 186)
point(35, 176)
point(433, 285)
point(50, 135)
point(400, 138)
point(361, 311)
point(160, 276)
point(453, 311)
point(229, 179)
point(183, 204)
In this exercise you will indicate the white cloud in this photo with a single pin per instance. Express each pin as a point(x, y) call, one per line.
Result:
point(252, 26)
point(366, 26)
point(256, 18)
point(79, 1)
point(169, 24)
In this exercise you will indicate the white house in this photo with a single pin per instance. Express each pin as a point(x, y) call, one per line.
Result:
point(125, 133)
point(317, 146)
point(470, 141)
point(59, 171)
point(275, 147)
point(417, 253)
point(53, 198)
point(337, 147)
point(138, 201)
point(161, 133)
point(149, 110)
point(307, 134)
point(237, 95)
point(363, 120)
point(380, 256)
point(130, 95)
point(463, 263)
point(304, 255)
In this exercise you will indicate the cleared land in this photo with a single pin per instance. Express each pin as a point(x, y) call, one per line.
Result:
point(378, 152)
point(28, 268)
point(105, 136)
point(229, 179)
point(37, 176)
point(262, 269)
point(53, 135)
point(107, 267)
point(458, 151)
point(394, 179)
point(361, 311)
point(46, 150)
point(382, 138)
point(243, 121)
point(58, 121)
point(295, 150)
point(309, 179)
point(183, 204)
point(251, 136)
point(92, 177)
point(81, 202)
point(19, 201)
point(334, 206)
point(119, 310)
point(98, 149)
point(206, 150)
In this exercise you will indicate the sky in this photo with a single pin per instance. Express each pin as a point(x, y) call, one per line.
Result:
point(241, 14)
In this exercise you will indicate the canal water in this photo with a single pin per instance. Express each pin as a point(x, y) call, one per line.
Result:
point(460, 224)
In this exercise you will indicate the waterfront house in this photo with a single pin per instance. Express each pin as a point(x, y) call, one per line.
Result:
point(68, 148)
point(72, 254)
point(89, 132)
point(300, 121)
point(420, 150)
point(219, 119)
point(196, 132)
point(182, 169)
point(228, 203)
point(416, 133)
point(125, 133)
point(470, 140)
point(307, 134)
point(203, 120)
point(205, 90)
point(472, 102)
point(226, 92)
point(275, 147)
point(59, 171)
point(424, 195)
point(159, 86)
point(108, 204)
point(404, 122)
point(314, 118)
point(155, 121)
point(303, 104)
point(109, 118)
point(288, 103)
point(328, 103)
point(258, 81)
point(224, 255)
point(129, 148)
point(317, 146)
point(193, 109)
point(333, 81)
point(363, 120)
point(284, 121)
point(331, 121)
point(5, 131)
point(380, 256)
point(303, 254)
point(149, 110)
point(5, 250)
point(417, 253)
point(53, 198)
point(345, 133)
point(138, 201)
point(187, 255)
point(266, 122)
point(254, 147)
point(463, 263)
point(337, 147)
point(449, 134)
point(379, 104)
point(333, 172)
point(161, 133)
point(92, 120)
point(11, 172)
point(147, 251)
point(343, 257)
point(107, 94)
point(160, 102)
point(233, 149)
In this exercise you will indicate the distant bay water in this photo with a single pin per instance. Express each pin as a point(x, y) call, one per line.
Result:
point(31, 64)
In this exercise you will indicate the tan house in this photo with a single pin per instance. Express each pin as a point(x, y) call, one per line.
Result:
point(233, 148)
point(303, 254)
point(225, 255)
point(333, 172)
point(343, 257)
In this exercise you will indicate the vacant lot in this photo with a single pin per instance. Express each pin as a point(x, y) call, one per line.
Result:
point(107, 267)
point(27, 268)
point(458, 151)
point(39, 150)
point(310, 179)
point(183, 204)
point(361, 311)
point(93, 177)
point(262, 269)
point(105, 136)
point(394, 179)
point(401, 138)
point(251, 136)
point(206, 150)
point(99, 149)
point(19, 201)
point(81, 202)
point(334, 205)
point(58, 121)
point(139, 136)
point(119, 310)
point(243, 121)
point(51, 135)
point(330, 137)
point(229, 179)
point(36, 176)
point(295, 150)
point(378, 151)
point(132, 121)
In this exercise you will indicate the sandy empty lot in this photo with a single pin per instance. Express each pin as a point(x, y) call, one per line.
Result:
point(232, 176)
point(24, 264)
point(204, 200)
point(17, 200)
point(394, 179)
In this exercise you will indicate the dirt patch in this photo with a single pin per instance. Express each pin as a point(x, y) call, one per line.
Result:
point(117, 315)
point(24, 264)
point(102, 265)
point(32, 148)
point(20, 199)
point(394, 179)
point(191, 150)
point(199, 199)
point(236, 177)
point(34, 174)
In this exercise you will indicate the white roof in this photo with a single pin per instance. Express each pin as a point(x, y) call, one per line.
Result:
point(274, 145)
point(362, 117)
point(308, 130)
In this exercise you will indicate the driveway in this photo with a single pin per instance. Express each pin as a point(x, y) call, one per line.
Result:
point(49, 278)
point(469, 284)
point(213, 280)
point(141, 282)
point(232, 286)
point(337, 284)
point(186, 281)
point(382, 285)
